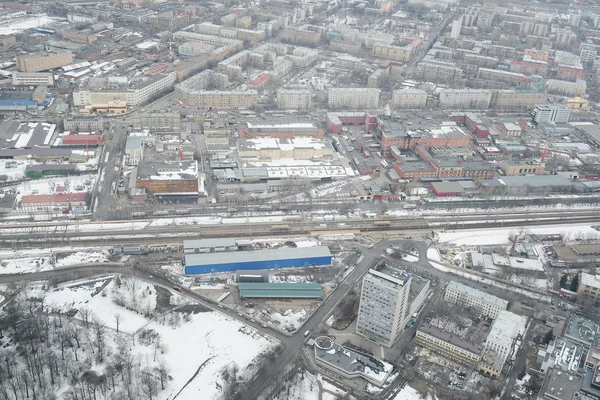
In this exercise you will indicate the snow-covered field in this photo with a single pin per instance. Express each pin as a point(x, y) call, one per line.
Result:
point(25, 23)
point(132, 293)
point(207, 336)
point(36, 260)
point(500, 236)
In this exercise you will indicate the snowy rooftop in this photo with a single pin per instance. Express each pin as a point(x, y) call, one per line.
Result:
point(590, 280)
point(282, 144)
point(506, 328)
point(469, 291)
point(351, 362)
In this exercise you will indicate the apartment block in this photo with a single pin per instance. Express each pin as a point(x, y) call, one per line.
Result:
point(546, 113)
point(465, 98)
point(157, 121)
point(488, 305)
point(409, 98)
point(588, 292)
point(395, 53)
point(513, 99)
point(32, 78)
point(567, 88)
point(219, 100)
point(449, 346)
point(353, 98)
point(169, 21)
point(193, 49)
point(299, 99)
point(301, 36)
point(116, 100)
point(85, 124)
point(384, 303)
point(36, 62)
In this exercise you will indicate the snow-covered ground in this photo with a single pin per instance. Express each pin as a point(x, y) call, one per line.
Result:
point(500, 236)
point(23, 24)
point(289, 317)
point(133, 294)
point(306, 386)
point(207, 336)
point(24, 265)
point(82, 257)
point(408, 393)
point(186, 342)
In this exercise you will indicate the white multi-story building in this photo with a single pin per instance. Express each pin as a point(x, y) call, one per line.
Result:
point(135, 93)
point(355, 98)
point(502, 341)
point(588, 51)
point(409, 98)
point(456, 27)
point(384, 303)
point(555, 113)
point(192, 49)
point(465, 296)
point(566, 88)
point(294, 98)
point(465, 98)
point(32, 78)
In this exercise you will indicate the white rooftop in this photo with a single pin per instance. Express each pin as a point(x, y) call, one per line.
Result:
point(590, 280)
point(486, 297)
point(506, 327)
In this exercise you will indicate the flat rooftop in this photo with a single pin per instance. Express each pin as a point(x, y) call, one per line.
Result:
point(580, 329)
point(256, 255)
point(351, 362)
point(469, 291)
point(280, 290)
point(560, 385)
point(441, 129)
point(475, 348)
point(207, 243)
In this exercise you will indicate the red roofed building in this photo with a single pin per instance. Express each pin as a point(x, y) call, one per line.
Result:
point(61, 200)
point(260, 80)
point(82, 140)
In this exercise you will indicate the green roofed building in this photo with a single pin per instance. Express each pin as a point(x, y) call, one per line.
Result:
point(281, 290)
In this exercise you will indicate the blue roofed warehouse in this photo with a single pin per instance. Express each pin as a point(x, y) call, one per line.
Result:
point(257, 259)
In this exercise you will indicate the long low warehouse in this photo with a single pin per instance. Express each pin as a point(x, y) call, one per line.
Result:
point(280, 291)
point(257, 259)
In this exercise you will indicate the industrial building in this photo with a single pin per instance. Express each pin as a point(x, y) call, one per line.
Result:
point(257, 259)
point(303, 129)
point(501, 343)
point(196, 246)
point(465, 296)
point(36, 62)
point(32, 78)
point(253, 290)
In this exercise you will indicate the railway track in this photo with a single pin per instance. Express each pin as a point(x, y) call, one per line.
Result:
point(144, 237)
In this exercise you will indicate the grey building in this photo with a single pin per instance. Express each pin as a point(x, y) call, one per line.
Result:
point(384, 303)
point(78, 124)
point(158, 121)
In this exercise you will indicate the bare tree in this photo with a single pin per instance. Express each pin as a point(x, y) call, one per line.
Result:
point(149, 386)
point(163, 373)
point(118, 319)
point(99, 331)
point(85, 314)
